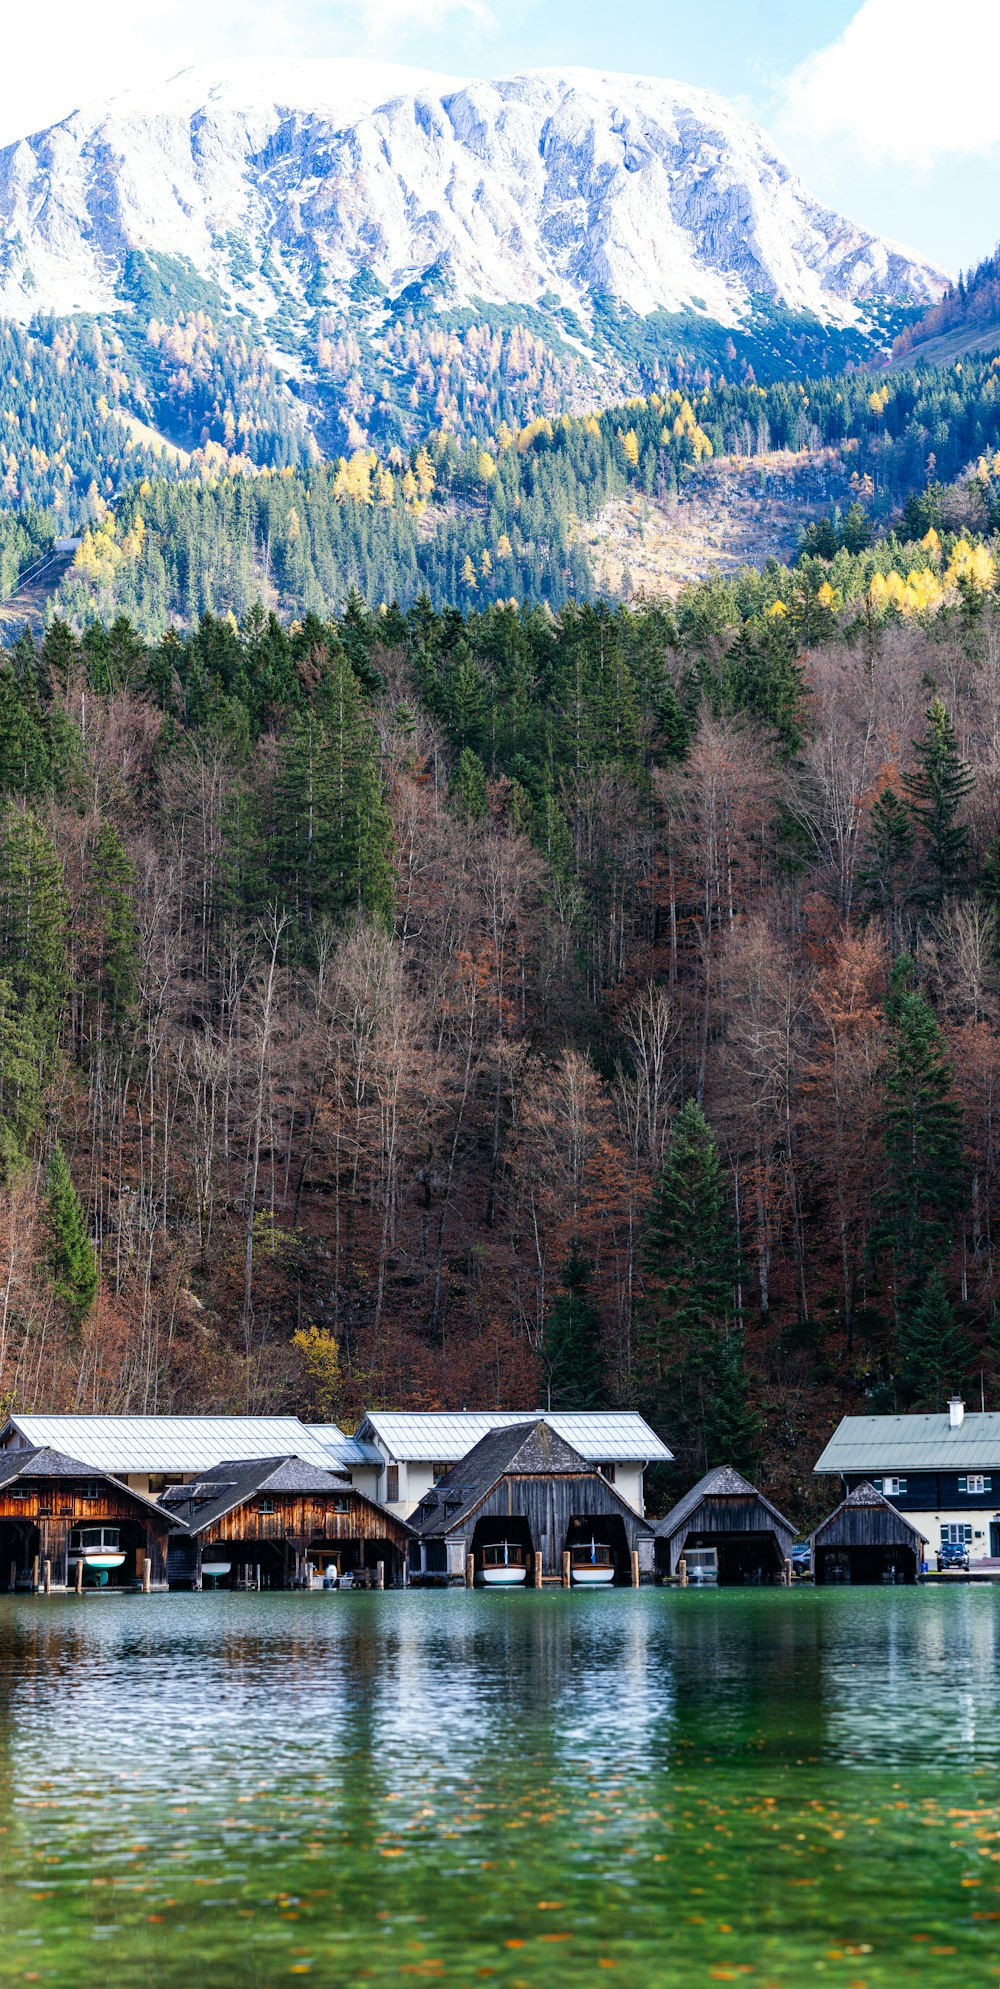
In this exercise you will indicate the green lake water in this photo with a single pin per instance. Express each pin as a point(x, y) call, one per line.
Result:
point(761, 1787)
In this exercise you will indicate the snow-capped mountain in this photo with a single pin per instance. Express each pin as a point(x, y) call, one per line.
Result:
point(571, 182)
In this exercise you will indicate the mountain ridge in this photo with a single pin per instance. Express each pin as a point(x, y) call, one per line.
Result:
point(285, 182)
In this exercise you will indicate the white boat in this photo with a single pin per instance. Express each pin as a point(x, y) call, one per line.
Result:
point(503, 1565)
point(215, 1571)
point(591, 1565)
point(97, 1547)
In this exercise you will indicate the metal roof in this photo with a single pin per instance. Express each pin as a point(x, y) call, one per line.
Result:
point(167, 1443)
point(874, 1444)
point(613, 1436)
point(345, 1450)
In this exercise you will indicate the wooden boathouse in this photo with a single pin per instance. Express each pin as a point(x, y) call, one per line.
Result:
point(56, 1513)
point(751, 1538)
point(279, 1522)
point(525, 1491)
point(866, 1540)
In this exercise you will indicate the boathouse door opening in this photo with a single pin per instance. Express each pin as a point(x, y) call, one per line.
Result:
point(20, 1543)
point(606, 1530)
point(865, 1566)
point(493, 1529)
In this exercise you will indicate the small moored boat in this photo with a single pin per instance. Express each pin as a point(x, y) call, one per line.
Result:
point(98, 1547)
point(503, 1565)
point(591, 1565)
point(215, 1570)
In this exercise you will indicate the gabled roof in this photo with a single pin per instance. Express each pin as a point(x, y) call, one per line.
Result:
point(874, 1444)
point(600, 1435)
point(722, 1483)
point(527, 1449)
point(47, 1464)
point(166, 1444)
point(232, 1484)
point(868, 1497)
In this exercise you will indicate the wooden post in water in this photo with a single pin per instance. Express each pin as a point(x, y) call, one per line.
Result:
point(470, 1571)
point(682, 1570)
point(34, 1574)
point(635, 1567)
point(47, 1578)
point(13, 1576)
point(538, 1569)
point(147, 1576)
point(566, 1568)
point(786, 1575)
point(79, 1576)
point(380, 1574)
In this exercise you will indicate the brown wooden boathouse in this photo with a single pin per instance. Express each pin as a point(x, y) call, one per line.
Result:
point(527, 1487)
point(278, 1522)
point(866, 1540)
point(752, 1539)
point(47, 1497)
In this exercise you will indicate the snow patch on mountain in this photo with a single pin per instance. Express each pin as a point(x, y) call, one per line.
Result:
point(570, 182)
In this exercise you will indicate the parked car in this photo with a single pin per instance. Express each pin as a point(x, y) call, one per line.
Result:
point(953, 1554)
point(801, 1559)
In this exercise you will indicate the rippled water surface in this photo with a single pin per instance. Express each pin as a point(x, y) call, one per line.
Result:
point(760, 1787)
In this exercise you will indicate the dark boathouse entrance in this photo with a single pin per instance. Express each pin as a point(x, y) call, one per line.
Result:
point(751, 1539)
point(866, 1541)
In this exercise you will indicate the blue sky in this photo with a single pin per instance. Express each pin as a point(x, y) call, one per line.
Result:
point(888, 109)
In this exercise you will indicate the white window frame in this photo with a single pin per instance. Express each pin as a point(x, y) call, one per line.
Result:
point(974, 1484)
point(956, 1533)
point(894, 1488)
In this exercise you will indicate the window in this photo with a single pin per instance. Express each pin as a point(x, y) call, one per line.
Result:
point(265, 1505)
point(391, 1484)
point(957, 1533)
point(342, 1505)
point(975, 1482)
point(892, 1487)
point(440, 1471)
point(607, 1471)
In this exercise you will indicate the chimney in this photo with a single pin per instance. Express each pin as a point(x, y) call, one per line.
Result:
point(956, 1412)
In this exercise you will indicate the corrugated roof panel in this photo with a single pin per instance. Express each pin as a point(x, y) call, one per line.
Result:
point(875, 1444)
point(346, 1449)
point(444, 1436)
point(168, 1444)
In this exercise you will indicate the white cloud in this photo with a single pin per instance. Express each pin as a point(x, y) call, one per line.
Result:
point(140, 40)
point(908, 82)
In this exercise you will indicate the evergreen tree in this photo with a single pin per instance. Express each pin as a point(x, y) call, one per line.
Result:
point(884, 877)
point(33, 918)
point(691, 1349)
point(934, 1353)
point(572, 1346)
point(935, 791)
point(468, 786)
point(72, 1257)
point(331, 838)
point(925, 1184)
point(115, 963)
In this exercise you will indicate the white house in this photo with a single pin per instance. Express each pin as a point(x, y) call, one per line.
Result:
point(417, 1447)
point(942, 1470)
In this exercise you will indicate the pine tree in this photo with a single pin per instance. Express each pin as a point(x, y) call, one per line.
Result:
point(72, 1257)
point(934, 1353)
point(691, 1349)
point(572, 1345)
point(331, 838)
point(935, 791)
point(925, 1187)
point(883, 879)
point(468, 786)
point(33, 920)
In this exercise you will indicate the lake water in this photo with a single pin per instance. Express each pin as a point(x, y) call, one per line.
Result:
point(762, 1787)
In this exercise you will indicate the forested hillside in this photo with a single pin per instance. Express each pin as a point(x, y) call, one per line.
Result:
point(452, 1008)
